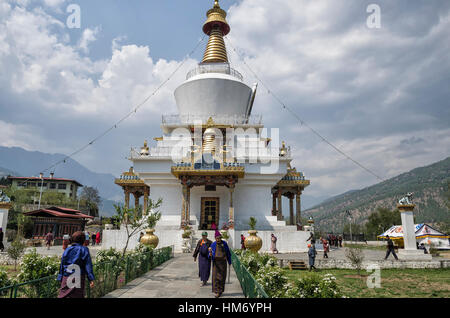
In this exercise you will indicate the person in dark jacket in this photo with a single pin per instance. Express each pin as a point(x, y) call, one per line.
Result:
point(220, 254)
point(2, 247)
point(76, 259)
point(312, 256)
point(204, 263)
point(390, 248)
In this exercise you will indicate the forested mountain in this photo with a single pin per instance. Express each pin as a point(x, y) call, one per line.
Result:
point(429, 185)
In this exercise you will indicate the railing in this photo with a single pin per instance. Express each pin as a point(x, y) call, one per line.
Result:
point(214, 68)
point(108, 276)
point(250, 287)
point(176, 119)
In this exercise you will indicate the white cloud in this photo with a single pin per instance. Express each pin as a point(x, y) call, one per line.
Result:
point(88, 36)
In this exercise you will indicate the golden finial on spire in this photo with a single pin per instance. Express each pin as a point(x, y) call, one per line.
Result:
point(216, 26)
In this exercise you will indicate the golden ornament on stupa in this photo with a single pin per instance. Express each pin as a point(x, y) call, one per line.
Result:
point(216, 27)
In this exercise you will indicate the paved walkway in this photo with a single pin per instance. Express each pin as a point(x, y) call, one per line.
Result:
point(176, 278)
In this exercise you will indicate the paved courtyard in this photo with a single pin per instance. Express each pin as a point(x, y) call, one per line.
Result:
point(176, 278)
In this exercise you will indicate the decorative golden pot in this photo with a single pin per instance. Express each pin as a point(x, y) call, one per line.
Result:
point(253, 242)
point(149, 238)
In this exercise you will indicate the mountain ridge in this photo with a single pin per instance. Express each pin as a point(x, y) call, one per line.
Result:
point(428, 183)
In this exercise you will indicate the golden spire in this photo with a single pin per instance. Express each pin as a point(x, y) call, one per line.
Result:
point(216, 27)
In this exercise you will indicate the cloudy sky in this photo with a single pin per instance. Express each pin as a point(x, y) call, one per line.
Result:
point(380, 94)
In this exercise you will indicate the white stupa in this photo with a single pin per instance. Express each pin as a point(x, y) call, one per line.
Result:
point(200, 169)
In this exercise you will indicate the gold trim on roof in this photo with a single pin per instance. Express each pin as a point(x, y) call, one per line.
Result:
point(190, 171)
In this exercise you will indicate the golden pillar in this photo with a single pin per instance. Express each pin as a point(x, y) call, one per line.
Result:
point(183, 204)
point(298, 207)
point(127, 197)
point(280, 207)
point(188, 204)
point(136, 199)
point(231, 209)
point(274, 204)
point(291, 209)
point(146, 194)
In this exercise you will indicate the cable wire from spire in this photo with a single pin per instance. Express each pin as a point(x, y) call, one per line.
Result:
point(301, 121)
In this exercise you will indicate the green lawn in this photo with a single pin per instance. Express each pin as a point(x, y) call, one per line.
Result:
point(424, 283)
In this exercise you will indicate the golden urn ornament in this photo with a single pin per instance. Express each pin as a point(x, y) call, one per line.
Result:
point(253, 242)
point(149, 238)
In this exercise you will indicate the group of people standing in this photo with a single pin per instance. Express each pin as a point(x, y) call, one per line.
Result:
point(94, 238)
point(217, 254)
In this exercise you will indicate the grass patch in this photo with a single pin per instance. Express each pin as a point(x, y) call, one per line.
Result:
point(395, 283)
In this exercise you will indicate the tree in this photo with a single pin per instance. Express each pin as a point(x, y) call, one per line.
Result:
point(16, 250)
point(355, 255)
point(132, 218)
point(381, 220)
point(90, 194)
point(92, 198)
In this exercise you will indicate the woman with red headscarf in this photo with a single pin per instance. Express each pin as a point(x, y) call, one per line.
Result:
point(97, 238)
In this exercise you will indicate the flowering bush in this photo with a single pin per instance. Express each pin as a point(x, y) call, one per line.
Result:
point(314, 286)
point(112, 258)
point(4, 280)
point(273, 280)
point(265, 270)
point(34, 266)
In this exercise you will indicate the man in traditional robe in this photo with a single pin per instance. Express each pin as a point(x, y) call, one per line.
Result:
point(204, 263)
point(220, 254)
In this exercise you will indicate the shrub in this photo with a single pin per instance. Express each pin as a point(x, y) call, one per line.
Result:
point(34, 266)
point(356, 256)
point(16, 250)
point(4, 280)
point(314, 286)
point(252, 222)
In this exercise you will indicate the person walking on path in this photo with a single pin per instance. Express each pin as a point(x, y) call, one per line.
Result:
point(93, 237)
point(312, 256)
point(76, 259)
point(220, 254)
point(49, 239)
point(204, 263)
point(66, 241)
point(340, 240)
point(325, 248)
point(97, 238)
point(87, 238)
point(273, 245)
point(390, 248)
point(2, 247)
point(242, 242)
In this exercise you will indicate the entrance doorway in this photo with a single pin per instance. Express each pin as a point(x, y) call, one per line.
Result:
point(209, 213)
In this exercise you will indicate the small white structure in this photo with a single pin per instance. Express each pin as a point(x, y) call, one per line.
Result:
point(5, 205)
point(424, 233)
point(410, 250)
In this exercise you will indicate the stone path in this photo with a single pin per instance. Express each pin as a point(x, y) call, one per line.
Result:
point(176, 278)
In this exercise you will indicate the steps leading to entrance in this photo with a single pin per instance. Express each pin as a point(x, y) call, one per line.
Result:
point(297, 265)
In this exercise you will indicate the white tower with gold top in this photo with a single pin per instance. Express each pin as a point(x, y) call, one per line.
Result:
point(208, 166)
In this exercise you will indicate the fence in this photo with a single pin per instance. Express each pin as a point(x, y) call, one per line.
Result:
point(250, 287)
point(108, 276)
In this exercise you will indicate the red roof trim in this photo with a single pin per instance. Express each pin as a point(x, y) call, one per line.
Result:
point(51, 211)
